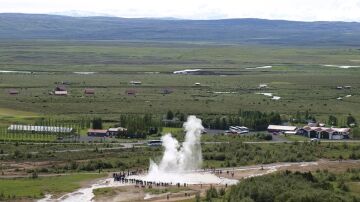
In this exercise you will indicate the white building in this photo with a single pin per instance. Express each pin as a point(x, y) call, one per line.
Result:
point(39, 129)
point(135, 82)
point(283, 129)
point(327, 133)
point(186, 71)
point(61, 92)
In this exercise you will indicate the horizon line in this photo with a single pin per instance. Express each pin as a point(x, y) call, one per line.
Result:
point(174, 18)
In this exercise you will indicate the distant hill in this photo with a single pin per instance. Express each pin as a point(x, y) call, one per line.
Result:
point(253, 31)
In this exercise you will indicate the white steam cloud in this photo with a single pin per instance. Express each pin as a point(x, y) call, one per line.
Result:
point(181, 158)
point(180, 162)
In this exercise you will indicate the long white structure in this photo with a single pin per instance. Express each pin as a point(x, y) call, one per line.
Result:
point(279, 128)
point(39, 129)
point(186, 71)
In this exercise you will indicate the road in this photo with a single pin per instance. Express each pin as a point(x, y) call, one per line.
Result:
point(129, 145)
point(122, 146)
point(288, 141)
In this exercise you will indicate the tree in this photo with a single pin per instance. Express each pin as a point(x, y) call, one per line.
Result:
point(170, 115)
point(350, 120)
point(275, 119)
point(197, 197)
point(216, 123)
point(97, 123)
point(224, 124)
point(182, 117)
point(298, 118)
point(333, 120)
point(307, 114)
point(355, 133)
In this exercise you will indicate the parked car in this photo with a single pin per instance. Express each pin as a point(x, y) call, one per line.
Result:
point(314, 140)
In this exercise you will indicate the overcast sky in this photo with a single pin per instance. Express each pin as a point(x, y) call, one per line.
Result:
point(301, 10)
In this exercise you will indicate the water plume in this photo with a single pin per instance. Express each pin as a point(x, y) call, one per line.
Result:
point(180, 158)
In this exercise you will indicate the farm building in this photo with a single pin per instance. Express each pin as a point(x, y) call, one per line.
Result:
point(339, 87)
point(135, 82)
point(281, 129)
point(60, 90)
point(130, 92)
point(116, 131)
point(97, 133)
point(261, 86)
point(106, 133)
point(39, 129)
point(187, 71)
point(13, 92)
point(89, 91)
point(326, 133)
point(167, 91)
point(60, 93)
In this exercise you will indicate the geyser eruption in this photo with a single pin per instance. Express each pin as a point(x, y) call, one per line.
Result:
point(180, 162)
point(179, 158)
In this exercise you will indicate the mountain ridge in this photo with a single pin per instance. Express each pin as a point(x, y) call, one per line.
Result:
point(246, 30)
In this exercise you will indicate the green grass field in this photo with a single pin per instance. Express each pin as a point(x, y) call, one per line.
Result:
point(231, 81)
point(28, 137)
point(298, 77)
point(8, 116)
point(37, 188)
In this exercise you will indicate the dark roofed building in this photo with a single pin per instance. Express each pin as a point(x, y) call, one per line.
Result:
point(97, 133)
point(130, 92)
point(89, 91)
point(60, 88)
point(167, 91)
point(13, 92)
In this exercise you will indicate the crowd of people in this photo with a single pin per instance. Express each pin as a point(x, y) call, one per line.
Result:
point(220, 172)
point(128, 177)
point(125, 177)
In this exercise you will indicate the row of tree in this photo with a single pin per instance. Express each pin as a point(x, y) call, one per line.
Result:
point(142, 125)
point(332, 120)
point(252, 119)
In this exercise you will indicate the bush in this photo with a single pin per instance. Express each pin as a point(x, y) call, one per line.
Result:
point(34, 175)
point(197, 197)
point(288, 186)
point(220, 157)
point(211, 193)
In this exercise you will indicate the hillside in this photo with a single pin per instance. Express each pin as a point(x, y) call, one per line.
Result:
point(252, 31)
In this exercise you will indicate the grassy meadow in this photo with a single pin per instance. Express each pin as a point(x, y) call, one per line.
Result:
point(297, 76)
point(37, 188)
